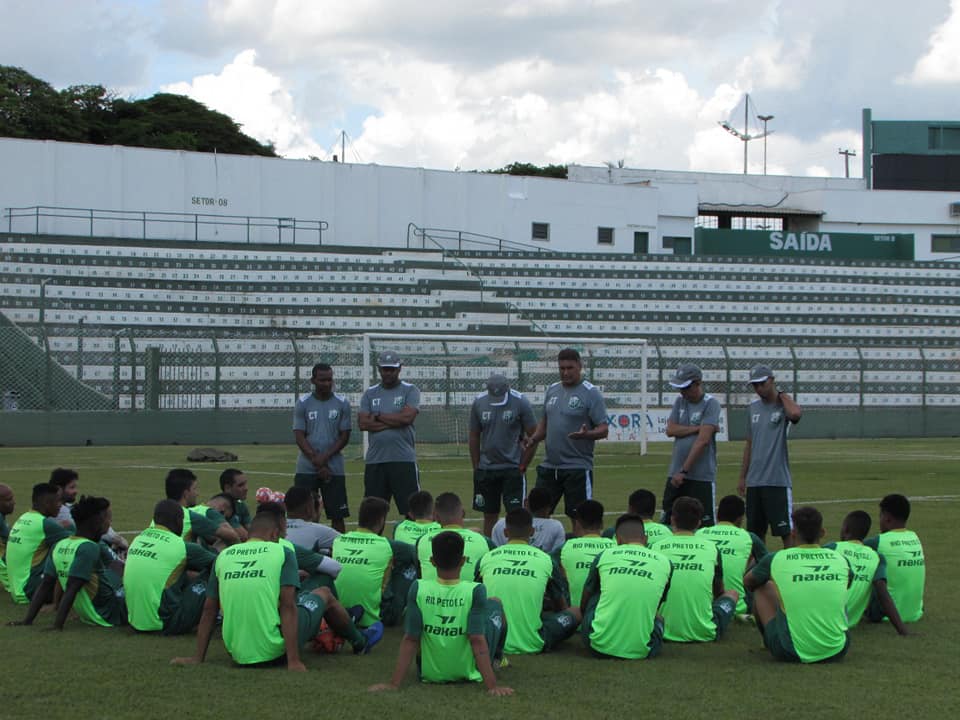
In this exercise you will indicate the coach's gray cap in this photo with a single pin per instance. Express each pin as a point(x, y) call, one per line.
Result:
point(686, 375)
point(497, 387)
point(759, 373)
point(388, 358)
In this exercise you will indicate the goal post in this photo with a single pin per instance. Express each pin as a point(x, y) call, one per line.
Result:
point(451, 370)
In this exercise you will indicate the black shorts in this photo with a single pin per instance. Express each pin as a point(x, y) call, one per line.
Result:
point(489, 486)
point(769, 505)
point(705, 492)
point(396, 480)
point(574, 485)
point(332, 491)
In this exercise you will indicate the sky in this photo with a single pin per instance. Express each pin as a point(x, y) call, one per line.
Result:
point(479, 84)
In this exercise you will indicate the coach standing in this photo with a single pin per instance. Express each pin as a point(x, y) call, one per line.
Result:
point(693, 423)
point(388, 411)
point(765, 469)
point(574, 418)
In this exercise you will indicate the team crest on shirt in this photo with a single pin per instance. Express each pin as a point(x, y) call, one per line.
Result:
point(507, 416)
point(333, 415)
point(497, 622)
point(312, 415)
point(775, 417)
point(478, 500)
point(309, 604)
point(575, 403)
point(695, 417)
point(398, 402)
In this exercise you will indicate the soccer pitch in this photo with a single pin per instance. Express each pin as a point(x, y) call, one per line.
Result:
point(92, 672)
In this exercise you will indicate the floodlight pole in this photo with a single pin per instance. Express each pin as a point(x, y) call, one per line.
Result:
point(765, 119)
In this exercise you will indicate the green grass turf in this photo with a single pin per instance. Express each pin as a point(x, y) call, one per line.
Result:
point(91, 672)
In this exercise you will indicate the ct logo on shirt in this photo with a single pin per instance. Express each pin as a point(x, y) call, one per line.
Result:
point(312, 415)
point(755, 418)
point(552, 401)
point(375, 403)
point(485, 416)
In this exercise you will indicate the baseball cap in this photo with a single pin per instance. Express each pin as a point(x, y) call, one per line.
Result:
point(759, 373)
point(388, 358)
point(686, 375)
point(497, 386)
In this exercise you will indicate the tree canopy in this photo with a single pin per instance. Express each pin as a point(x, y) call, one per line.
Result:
point(31, 108)
point(519, 168)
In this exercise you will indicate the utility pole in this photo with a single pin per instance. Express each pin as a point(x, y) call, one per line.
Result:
point(846, 160)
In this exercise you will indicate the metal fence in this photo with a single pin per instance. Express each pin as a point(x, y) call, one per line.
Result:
point(78, 368)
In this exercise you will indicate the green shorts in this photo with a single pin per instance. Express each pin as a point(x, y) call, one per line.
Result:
point(574, 485)
point(310, 610)
point(776, 636)
point(332, 491)
point(771, 506)
point(489, 486)
point(703, 491)
point(724, 608)
point(396, 480)
point(557, 627)
point(184, 618)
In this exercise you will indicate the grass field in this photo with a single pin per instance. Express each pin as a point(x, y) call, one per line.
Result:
point(90, 672)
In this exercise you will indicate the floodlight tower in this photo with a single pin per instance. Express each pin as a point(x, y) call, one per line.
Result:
point(744, 136)
point(765, 119)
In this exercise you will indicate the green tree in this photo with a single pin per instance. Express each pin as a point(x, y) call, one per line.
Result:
point(31, 108)
point(529, 169)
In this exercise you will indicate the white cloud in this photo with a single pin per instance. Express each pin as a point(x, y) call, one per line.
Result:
point(941, 64)
point(258, 100)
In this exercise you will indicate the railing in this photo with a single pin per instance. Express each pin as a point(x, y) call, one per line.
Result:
point(197, 225)
point(456, 240)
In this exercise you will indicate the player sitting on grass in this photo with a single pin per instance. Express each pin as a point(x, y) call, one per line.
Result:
point(165, 578)
point(548, 534)
point(740, 550)
point(644, 503)
point(523, 577)
point(448, 511)
point(869, 571)
point(68, 481)
point(303, 526)
point(626, 585)
point(698, 608)
point(265, 621)
point(578, 553)
point(800, 595)
point(451, 624)
point(367, 558)
point(906, 568)
point(78, 562)
point(7, 505)
point(419, 520)
point(181, 486)
point(31, 538)
point(234, 483)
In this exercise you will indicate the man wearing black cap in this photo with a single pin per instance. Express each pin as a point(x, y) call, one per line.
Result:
point(765, 469)
point(693, 423)
point(388, 411)
point(499, 419)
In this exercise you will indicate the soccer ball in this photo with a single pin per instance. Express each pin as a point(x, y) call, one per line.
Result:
point(327, 641)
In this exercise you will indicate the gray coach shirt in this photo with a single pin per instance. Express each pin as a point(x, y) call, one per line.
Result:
point(705, 412)
point(566, 410)
point(500, 426)
point(767, 427)
point(392, 444)
point(322, 421)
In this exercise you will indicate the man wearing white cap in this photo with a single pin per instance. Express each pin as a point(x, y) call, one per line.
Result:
point(499, 419)
point(693, 423)
point(388, 411)
point(765, 469)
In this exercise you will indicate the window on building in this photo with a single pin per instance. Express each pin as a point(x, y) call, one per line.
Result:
point(707, 221)
point(945, 244)
point(540, 231)
point(641, 242)
point(605, 236)
point(756, 223)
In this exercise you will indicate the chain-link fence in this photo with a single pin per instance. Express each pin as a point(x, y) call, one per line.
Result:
point(76, 368)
